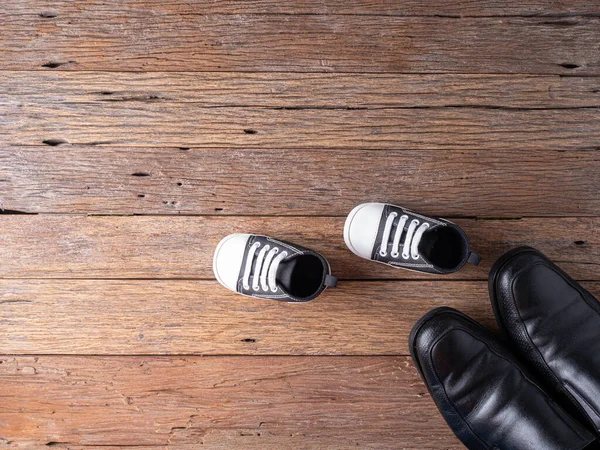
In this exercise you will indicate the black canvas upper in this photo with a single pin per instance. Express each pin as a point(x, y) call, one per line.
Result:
point(301, 276)
point(487, 397)
point(444, 247)
point(554, 325)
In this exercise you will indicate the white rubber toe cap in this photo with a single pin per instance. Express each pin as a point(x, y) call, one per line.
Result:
point(360, 230)
point(227, 261)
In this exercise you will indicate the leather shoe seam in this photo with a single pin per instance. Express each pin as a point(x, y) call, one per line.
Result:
point(593, 408)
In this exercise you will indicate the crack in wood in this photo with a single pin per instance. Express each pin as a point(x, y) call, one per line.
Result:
point(48, 15)
point(3, 302)
point(54, 142)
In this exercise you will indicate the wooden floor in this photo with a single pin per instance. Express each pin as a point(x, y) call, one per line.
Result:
point(135, 134)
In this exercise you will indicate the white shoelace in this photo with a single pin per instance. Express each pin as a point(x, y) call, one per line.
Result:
point(265, 268)
point(411, 241)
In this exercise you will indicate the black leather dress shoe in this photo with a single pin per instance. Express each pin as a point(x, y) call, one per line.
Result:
point(554, 326)
point(485, 395)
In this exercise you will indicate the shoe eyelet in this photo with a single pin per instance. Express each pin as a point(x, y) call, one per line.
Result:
point(384, 254)
point(246, 286)
point(274, 290)
point(405, 255)
point(395, 254)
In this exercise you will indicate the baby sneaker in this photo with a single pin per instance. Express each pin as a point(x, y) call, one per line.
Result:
point(401, 238)
point(260, 266)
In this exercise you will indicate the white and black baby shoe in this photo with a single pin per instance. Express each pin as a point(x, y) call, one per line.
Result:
point(263, 267)
point(401, 238)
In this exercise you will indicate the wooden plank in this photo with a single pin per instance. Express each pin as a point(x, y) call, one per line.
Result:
point(49, 9)
point(219, 402)
point(48, 246)
point(454, 183)
point(178, 124)
point(200, 317)
point(134, 317)
point(166, 38)
point(297, 90)
point(143, 124)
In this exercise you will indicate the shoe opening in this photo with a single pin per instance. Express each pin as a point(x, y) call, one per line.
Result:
point(302, 276)
point(444, 246)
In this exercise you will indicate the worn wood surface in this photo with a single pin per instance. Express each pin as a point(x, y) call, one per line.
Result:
point(182, 317)
point(44, 246)
point(187, 125)
point(140, 132)
point(219, 402)
point(167, 38)
point(298, 90)
point(451, 182)
point(200, 317)
point(48, 9)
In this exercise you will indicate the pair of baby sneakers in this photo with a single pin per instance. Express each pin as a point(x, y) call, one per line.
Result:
point(268, 268)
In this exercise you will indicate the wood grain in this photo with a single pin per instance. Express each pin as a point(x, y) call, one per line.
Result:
point(297, 90)
point(48, 246)
point(168, 38)
point(127, 317)
point(143, 124)
point(219, 402)
point(135, 317)
point(454, 183)
point(210, 117)
point(47, 9)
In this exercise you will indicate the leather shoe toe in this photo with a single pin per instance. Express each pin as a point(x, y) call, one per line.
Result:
point(554, 326)
point(485, 395)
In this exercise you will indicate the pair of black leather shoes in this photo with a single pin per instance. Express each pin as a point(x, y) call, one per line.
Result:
point(538, 390)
